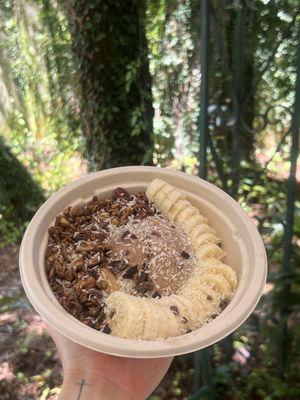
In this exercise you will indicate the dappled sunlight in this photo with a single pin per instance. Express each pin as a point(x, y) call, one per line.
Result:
point(241, 354)
point(8, 317)
point(268, 288)
point(6, 372)
point(35, 324)
point(278, 167)
point(296, 241)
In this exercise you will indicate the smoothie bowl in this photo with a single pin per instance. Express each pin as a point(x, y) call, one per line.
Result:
point(142, 262)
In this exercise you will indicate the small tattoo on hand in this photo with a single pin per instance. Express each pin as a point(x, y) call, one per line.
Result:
point(82, 384)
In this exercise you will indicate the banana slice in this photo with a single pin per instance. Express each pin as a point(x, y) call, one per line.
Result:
point(212, 261)
point(205, 238)
point(160, 322)
point(186, 213)
point(204, 295)
point(214, 298)
point(209, 250)
point(186, 311)
point(142, 318)
point(172, 199)
point(221, 269)
point(173, 204)
point(217, 282)
point(176, 209)
point(150, 319)
point(200, 230)
point(165, 196)
point(125, 315)
point(160, 196)
point(192, 313)
point(192, 228)
point(154, 187)
point(193, 222)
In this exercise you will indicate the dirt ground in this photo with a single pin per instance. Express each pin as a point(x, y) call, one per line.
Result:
point(28, 361)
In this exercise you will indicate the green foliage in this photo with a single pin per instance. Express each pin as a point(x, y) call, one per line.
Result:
point(110, 48)
point(264, 197)
point(280, 322)
point(267, 85)
point(258, 383)
point(52, 162)
point(59, 62)
point(38, 116)
point(172, 31)
point(10, 303)
point(38, 67)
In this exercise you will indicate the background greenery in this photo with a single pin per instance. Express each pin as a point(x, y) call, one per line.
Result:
point(87, 85)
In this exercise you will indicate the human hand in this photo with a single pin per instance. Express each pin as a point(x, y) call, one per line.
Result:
point(89, 375)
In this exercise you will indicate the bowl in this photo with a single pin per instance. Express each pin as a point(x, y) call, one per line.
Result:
point(242, 243)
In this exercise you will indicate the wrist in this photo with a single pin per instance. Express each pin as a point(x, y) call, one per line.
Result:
point(86, 384)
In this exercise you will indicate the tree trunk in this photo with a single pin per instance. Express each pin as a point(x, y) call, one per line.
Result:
point(110, 48)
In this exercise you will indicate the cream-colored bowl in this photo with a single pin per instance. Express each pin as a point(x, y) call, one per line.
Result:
point(243, 246)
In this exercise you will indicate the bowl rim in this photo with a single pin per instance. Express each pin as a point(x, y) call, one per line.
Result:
point(88, 337)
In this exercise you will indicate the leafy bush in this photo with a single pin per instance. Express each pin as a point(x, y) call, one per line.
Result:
point(20, 195)
point(260, 383)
